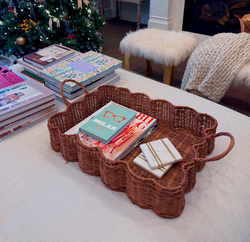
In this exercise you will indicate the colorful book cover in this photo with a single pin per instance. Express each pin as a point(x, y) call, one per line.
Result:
point(49, 55)
point(142, 162)
point(160, 153)
point(75, 129)
point(131, 134)
point(123, 142)
point(21, 97)
point(82, 68)
point(109, 79)
point(8, 77)
point(108, 123)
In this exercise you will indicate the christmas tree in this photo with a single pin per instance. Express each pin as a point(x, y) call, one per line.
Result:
point(26, 26)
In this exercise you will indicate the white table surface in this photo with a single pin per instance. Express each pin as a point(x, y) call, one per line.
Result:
point(44, 199)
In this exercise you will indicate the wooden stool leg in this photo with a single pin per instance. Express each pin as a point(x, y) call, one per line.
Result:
point(149, 67)
point(117, 10)
point(168, 77)
point(138, 16)
point(101, 7)
point(126, 61)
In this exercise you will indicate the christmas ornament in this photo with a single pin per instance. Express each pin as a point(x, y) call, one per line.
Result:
point(70, 35)
point(79, 3)
point(11, 7)
point(21, 40)
point(54, 19)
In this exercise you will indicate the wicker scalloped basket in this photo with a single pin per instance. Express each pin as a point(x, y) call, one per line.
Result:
point(192, 133)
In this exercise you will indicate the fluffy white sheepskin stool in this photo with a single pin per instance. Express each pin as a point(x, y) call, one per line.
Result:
point(165, 47)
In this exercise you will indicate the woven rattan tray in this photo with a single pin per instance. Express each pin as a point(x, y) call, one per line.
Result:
point(192, 133)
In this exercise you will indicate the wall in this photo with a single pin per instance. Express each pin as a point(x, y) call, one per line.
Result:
point(109, 8)
point(177, 13)
point(168, 14)
point(127, 11)
point(162, 14)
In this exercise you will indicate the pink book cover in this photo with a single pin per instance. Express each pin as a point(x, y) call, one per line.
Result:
point(124, 140)
point(8, 77)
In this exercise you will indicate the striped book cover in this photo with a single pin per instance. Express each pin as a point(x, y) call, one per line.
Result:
point(142, 162)
point(160, 153)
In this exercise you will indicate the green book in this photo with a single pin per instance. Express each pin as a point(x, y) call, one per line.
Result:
point(108, 122)
point(33, 76)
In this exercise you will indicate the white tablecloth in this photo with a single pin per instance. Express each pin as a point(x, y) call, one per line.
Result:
point(44, 199)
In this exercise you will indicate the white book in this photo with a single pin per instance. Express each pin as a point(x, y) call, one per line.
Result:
point(160, 153)
point(6, 131)
point(26, 113)
point(141, 161)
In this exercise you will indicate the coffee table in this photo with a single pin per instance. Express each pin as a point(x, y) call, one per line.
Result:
point(44, 199)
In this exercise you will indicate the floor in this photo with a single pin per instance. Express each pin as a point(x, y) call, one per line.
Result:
point(115, 30)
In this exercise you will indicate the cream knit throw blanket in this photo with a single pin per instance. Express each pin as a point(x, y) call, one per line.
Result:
point(214, 64)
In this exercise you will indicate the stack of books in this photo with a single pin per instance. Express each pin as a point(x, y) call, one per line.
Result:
point(96, 130)
point(22, 101)
point(91, 69)
point(108, 122)
point(49, 56)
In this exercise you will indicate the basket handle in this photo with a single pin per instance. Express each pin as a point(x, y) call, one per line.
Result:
point(223, 154)
point(67, 103)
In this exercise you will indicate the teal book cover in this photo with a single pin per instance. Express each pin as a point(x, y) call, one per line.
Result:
point(109, 122)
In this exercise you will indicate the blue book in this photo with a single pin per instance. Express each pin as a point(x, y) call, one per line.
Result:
point(108, 122)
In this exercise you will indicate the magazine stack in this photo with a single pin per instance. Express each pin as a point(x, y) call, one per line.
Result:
point(22, 101)
point(56, 63)
point(125, 140)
